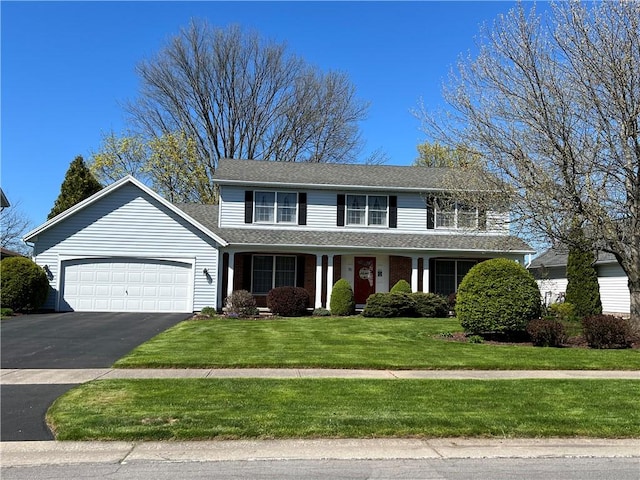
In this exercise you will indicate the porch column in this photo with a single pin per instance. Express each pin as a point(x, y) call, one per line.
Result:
point(414, 273)
point(232, 256)
point(318, 301)
point(329, 278)
point(425, 274)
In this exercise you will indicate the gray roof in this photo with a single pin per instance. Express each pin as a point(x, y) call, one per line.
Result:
point(208, 216)
point(4, 201)
point(327, 175)
point(557, 257)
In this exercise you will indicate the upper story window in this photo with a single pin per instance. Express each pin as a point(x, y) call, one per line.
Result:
point(275, 207)
point(450, 214)
point(371, 210)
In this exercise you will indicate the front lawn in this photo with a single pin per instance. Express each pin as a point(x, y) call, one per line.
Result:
point(198, 409)
point(353, 342)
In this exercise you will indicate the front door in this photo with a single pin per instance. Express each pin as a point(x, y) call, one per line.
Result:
point(364, 279)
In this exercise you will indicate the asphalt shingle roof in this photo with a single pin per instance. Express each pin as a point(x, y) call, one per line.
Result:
point(207, 215)
point(557, 257)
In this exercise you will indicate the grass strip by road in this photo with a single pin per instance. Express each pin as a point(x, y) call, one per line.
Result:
point(199, 409)
point(353, 342)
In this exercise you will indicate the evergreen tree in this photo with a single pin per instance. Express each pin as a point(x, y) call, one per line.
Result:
point(79, 183)
point(583, 291)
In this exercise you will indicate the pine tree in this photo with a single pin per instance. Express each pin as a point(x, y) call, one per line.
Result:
point(78, 184)
point(583, 290)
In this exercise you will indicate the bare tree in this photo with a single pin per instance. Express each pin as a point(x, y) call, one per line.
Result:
point(14, 223)
point(552, 104)
point(237, 96)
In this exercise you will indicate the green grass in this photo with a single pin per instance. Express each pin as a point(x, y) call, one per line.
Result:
point(352, 342)
point(198, 409)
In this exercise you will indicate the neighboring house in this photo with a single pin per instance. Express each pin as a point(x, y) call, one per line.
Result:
point(4, 201)
point(550, 270)
point(5, 252)
point(277, 224)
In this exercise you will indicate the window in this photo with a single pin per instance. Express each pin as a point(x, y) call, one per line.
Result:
point(270, 271)
point(449, 274)
point(276, 207)
point(450, 214)
point(367, 210)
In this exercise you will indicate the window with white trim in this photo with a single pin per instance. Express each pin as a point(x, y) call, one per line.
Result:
point(449, 273)
point(452, 215)
point(270, 271)
point(275, 207)
point(367, 210)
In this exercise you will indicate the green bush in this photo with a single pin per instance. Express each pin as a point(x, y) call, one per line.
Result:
point(389, 305)
point(288, 301)
point(402, 286)
point(564, 311)
point(430, 305)
point(24, 286)
point(583, 290)
point(6, 312)
point(607, 331)
point(241, 304)
point(208, 312)
point(321, 312)
point(342, 302)
point(547, 333)
point(497, 296)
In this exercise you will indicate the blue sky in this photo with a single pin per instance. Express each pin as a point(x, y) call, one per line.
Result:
point(67, 67)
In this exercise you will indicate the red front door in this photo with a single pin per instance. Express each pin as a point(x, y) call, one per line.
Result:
point(364, 282)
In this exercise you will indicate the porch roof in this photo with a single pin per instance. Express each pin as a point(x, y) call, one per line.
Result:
point(351, 240)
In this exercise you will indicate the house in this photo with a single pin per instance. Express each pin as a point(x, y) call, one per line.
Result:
point(550, 271)
point(276, 224)
point(4, 201)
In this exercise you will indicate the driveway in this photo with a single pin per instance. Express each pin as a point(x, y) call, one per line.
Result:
point(64, 340)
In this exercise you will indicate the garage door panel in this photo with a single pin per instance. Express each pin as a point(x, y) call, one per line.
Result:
point(125, 284)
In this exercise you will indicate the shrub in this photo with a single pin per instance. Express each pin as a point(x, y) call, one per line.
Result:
point(583, 290)
point(607, 331)
point(475, 339)
point(342, 302)
point(242, 304)
point(430, 305)
point(402, 286)
point(6, 312)
point(208, 312)
point(389, 305)
point(546, 332)
point(564, 311)
point(321, 312)
point(288, 301)
point(24, 284)
point(497, 296)
point(451, 301)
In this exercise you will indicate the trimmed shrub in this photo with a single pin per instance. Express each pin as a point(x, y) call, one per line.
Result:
point(607, 331)
point(241, 304)
point(547, 333)
point(389, 305)
point(321, 312)
point(208, 312)
point(430, 305)
point(402, 286)
point(24, 284)
point(497, 296)
point(6, 312)
point(342, 302)
point(288, 301)
point(583, 290)
point(564, 311)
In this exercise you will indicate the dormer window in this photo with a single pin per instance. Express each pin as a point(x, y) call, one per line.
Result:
point(367, 210)
point(275, 207)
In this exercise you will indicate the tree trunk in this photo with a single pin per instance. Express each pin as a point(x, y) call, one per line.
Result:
point(634, 317)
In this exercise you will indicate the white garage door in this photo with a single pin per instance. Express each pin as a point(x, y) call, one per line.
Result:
point(126, 285)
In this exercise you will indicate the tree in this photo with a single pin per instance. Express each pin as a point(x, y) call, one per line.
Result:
point(552, 105)
point(583, 290)
point(78, 184)
point(14, 223)
point(436, 155)
point(235, 95)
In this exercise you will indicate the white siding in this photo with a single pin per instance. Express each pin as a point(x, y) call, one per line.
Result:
point(231, 206)
point(129, 223)
point(614, 289)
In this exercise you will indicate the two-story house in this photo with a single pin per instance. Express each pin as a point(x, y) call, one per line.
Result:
point(276, 224)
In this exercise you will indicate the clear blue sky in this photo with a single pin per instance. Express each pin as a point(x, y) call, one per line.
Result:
point(68, 66)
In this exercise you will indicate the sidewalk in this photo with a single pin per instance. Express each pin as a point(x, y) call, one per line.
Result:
point(60, 453)
point(70, 376)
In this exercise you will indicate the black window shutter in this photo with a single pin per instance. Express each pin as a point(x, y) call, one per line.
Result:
point(341, 202)
point(430, 221)
point(302, 208)
point(482, 219)
point(248, 206)
point(300, 271)
point(246, 272)
point(393, 211)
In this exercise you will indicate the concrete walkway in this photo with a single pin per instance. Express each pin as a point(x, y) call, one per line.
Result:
point(71, 376)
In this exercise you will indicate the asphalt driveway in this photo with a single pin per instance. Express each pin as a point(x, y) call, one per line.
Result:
point(64, 340)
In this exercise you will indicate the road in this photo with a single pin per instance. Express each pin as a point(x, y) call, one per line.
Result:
point(575, 468)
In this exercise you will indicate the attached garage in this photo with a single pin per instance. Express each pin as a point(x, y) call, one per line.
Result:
point(126, 285)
